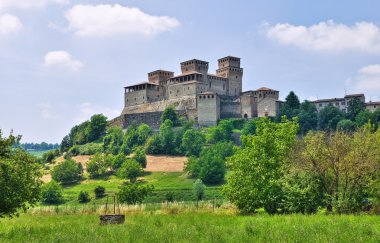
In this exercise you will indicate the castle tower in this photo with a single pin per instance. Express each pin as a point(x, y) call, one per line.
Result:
point(229, 67)
point(194, 65)
point(159, 75)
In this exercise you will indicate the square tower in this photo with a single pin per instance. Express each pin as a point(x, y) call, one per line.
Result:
point(158, 76)
point(229, 67)
point(194, 65)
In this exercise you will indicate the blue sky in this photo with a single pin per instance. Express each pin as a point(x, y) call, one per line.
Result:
point(63, 60)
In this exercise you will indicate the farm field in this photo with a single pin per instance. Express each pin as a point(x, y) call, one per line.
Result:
point(192, 227)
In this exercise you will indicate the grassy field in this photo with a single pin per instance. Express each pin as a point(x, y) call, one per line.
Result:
point(164, 182)
point(38, 153)
point(192, 227)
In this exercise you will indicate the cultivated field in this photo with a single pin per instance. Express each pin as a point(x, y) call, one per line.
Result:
point(192, 227)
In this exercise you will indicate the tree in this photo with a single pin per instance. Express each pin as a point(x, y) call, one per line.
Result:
point(83, 197)
point(144, 132)
point(96, 127)
point(354, 107)
point(68, 171)
point(292, 101)
point(199, 189)
point(257, 167)
point(99, 191)
point(113, 141)
point(140, 156)
point(130, 169)
point(170, 114)
point(134, 193)
point(346, 125)
point(345, 164)
point(220, 133)
point(19, 178)
point(66, 144)
point(131, 137)
point(52, 193)
point(210, 167)
point(364, 117)
point(249, 128)
point(192, 142)
point(97, 166)
point(307, 117)
point(329, 117)
point(118, 161)
point(166, 136)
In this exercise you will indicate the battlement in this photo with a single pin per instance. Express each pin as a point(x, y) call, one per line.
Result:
point(229, 61)
point(159, 76)
point(194, 65)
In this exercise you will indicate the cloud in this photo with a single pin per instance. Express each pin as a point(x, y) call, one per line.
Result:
point(9, 24)
point(327, 36)
point(108, 20)
point(26, 4)
point(367, 80)
point(47, 111)
point(62, 59)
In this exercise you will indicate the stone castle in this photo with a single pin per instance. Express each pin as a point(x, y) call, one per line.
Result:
point(197, 95)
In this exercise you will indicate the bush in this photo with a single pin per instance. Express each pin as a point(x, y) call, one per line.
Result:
point(90, 148)
point(118, 161)
point(220, 133)
point(199, 189)
point(134, 193)
point(153, 145)
point(52, 193)
point(68, 171)
point(170, 114)
point(169, 197)
point(192, 142)
point(249, 128)
point(99, 191)
point(130, 169)
point(97, 166)
point(49, 156)
point(74, 150)
point(140, 156)
point(83, 197)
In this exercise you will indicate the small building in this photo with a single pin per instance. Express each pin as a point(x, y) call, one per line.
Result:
point(340, 103)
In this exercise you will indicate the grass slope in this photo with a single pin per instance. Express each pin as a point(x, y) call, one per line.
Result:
point(192, 227)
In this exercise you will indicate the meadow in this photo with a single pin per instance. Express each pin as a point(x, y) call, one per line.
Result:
point(191, 226)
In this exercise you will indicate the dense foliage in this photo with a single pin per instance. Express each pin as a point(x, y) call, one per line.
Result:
point(52, 193)
point(131, 170)
point(68, 171)
point(19, 178)
point(134, 193)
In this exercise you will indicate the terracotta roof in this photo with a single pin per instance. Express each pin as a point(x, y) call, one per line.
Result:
point(353, 95)
point(146, 82)
point(185, 74)
point(265, 89)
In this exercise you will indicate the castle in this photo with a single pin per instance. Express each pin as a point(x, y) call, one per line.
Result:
point(196, 94)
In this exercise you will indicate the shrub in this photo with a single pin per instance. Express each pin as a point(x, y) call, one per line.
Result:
point(118, 161)
point(49, 156)
point(130, 169)
point(192, 142)
point(67, 172)
point(90, 148)
point(99, 191)
point(169, 197)
point(140, 156)
point(83, 197)
point(199, 189)
point(134, 193)
point(74, 150)
point(97, 166)
point(170, 114)
point(52, 193)
point(249, 128)
point(153, 145)
point(144, 132)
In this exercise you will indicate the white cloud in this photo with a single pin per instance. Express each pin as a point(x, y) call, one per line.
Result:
point(367, 80)
point(62, 59)
point(47, 111)
point(9, 24)
point(26, 4)
point(107, 20)
point(327, 36)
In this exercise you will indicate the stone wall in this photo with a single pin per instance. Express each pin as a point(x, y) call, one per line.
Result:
point(208, 109)
point(268, 107)
point(230, 108)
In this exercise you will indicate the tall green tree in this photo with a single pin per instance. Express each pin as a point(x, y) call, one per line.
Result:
point(354, 107)
point(329, 117)
point(170, 114)
point(167, 137)
point(292, 101)
point(258, 166)
point(193, 142)
point(307, 117)
point(20, 183)
point(97, 127)
point(364, 117)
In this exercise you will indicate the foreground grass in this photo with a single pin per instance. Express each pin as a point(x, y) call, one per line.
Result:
point(192, 227)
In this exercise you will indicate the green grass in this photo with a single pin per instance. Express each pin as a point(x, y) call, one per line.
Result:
point(192, 227)
point(38, 153)
point(164, 182)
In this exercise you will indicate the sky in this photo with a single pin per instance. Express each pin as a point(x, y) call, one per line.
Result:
point(61, 61)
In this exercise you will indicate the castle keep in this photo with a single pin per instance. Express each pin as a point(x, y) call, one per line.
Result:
point(196, 94)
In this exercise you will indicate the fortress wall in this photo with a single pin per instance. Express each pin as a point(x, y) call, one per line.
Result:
point(248, 106)
point(218, 86)
point(208, 109)
point(230, 109)
point(183, 103)
point(268, 107)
